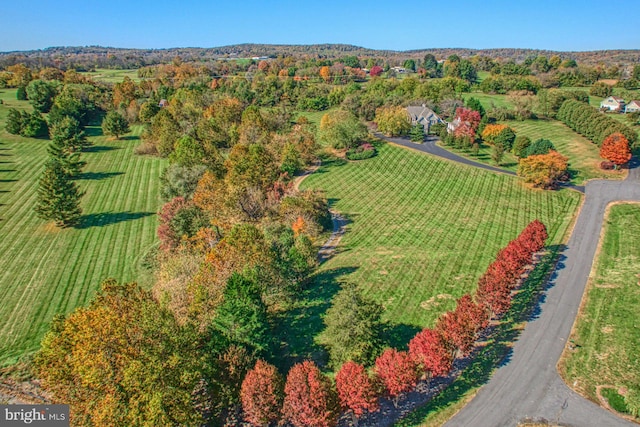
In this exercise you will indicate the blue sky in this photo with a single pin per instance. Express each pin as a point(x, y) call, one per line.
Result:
point(377, 24)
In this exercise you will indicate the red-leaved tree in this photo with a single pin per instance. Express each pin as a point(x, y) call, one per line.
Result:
point(469, 121)
point(356, 390)
point(429, 350)
point(261, 394)
point(460, 326)
point(375, 71)
point(168, 238)
point(310, 400)
point(398, 372)
point(615, 148)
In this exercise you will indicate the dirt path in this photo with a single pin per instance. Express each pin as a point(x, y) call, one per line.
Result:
point(339, 222)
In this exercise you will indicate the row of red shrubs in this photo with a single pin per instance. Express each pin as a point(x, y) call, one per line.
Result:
point(309, 398)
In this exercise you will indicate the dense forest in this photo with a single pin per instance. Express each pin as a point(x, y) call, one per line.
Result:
point(88, 57)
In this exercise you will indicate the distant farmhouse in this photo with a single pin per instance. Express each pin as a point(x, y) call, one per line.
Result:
point(399, 70)
point(632, 107)
point(613, 103)
point(424, 116)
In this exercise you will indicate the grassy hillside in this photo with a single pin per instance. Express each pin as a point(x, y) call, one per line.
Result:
point(46, 270)
point(422, 231)
point(607, 332)
point(584, 155)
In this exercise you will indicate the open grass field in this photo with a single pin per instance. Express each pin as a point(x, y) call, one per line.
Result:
point(584, 156)
point(607, 331)
point(421, 232)
point(487, 99)
point(113, 76)
point(46, 270)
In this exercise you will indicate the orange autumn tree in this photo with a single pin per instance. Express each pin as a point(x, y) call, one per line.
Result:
point(298, 226)
point(325, 73)
point(543, 170)
point(615, 148)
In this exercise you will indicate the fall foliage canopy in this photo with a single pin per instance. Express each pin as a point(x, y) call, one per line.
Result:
point(615, 148)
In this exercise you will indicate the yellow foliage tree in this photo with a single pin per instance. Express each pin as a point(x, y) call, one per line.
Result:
point(543, 170)
point(393, 121)
point(123, 360)
point(490, 132)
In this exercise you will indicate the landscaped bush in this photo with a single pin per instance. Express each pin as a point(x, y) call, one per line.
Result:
point(364, 151)
point(607, 165)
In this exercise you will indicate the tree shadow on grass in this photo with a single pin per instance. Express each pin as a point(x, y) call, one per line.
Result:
point(7, 170)
point(98, 176)
point(130, 138)
point(8, 180)
point(496, 351)
point(297, 328)
point(92, 131)
point(100, 148)
point(107, 218)
point(398, 335)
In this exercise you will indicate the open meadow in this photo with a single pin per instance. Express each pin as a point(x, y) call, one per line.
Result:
point(47, 270)
point(606, 336)
point(421, 232)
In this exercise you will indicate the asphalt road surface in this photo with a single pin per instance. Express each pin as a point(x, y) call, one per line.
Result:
point(527, 385)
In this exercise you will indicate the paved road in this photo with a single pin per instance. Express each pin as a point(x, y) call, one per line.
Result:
point(429, 146)
point(528, 385)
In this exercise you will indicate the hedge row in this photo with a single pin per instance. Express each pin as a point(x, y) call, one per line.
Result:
point(589, 122)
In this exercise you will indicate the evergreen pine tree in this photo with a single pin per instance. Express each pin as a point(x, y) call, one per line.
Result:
point(68, 129)
point(417, 133)
point(67, 139)
point(58, 196)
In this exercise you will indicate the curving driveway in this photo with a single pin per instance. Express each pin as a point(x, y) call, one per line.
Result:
point(528, 385)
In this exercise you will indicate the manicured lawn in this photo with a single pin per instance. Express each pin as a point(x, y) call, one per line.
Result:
point(313, 116)
point(113, 76)
point(607, 332)
point(422, 232)
point(584, 157)
point(46, 270)
point(487, 99)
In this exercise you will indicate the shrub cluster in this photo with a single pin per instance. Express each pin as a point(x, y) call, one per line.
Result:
point(364, 151)
point(594, 125)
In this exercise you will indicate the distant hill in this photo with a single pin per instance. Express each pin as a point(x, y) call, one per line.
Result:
point(108, 57)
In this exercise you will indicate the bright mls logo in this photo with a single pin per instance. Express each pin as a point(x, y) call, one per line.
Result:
point(35, 415)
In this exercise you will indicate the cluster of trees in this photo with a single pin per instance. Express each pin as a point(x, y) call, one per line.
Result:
point(308, 398)
point(29, 125)
point(592, 124)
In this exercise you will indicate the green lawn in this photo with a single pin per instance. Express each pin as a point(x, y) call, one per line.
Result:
point(422, 232)
point(46, 270)
point(112, 76)
point(584, 155)
point(607, 332)
point(487, 99)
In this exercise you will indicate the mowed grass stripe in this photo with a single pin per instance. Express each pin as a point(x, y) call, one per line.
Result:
point(47, 270)
point(584, 155)
point(423, 230)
